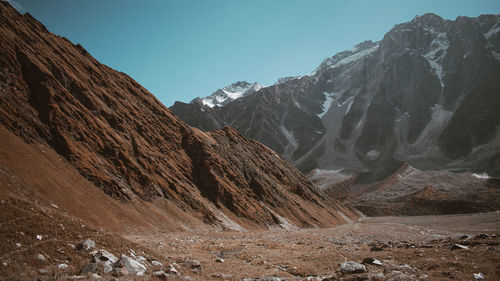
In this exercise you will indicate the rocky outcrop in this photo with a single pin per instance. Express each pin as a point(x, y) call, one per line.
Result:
point(123, 140)
point(425, 94)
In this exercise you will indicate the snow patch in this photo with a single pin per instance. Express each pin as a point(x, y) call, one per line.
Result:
point(356, 56)
point(349, 102)
point(483, 176)
point(329, 99)
point(330, 63)
point(227, 94)
point(493, 30)
point(349, 106)
point(352, 58)
point(488, 36)
point(208, 102)
point(437, 52)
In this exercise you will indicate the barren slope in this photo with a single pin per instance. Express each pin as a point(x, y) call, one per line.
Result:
point(124, 141)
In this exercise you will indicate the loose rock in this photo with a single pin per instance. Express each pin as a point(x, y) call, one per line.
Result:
point(173, 270)
point(372, 261)
point(104, 255)
point(62, 266)
point(86, 245)
point(132, 266)
point(459, 247)
point(195, 264)
point(351, 267)
point(157, 263)
point(40, 257)
point(478, 276)
point(42, 271)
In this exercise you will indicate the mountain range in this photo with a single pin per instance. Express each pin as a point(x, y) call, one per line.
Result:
point(99, 180)
point(426, 94)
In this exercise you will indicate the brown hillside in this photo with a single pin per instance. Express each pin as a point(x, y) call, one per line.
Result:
point(122, 140)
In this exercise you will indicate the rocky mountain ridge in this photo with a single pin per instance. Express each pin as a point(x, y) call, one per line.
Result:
point(229, 93)
point(120, 138)
point(425, 94)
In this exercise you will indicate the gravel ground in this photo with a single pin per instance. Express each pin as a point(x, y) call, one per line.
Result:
point(420, 248)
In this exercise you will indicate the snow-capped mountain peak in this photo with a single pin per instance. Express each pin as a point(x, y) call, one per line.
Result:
point(424, 94)
point(229, 93)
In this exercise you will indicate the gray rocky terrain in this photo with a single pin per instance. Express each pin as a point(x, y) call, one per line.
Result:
point(427, 94)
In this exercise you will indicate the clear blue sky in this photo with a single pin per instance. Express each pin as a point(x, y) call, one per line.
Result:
point(181, 49)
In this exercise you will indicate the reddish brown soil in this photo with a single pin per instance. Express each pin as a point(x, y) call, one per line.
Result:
point(423, 243)
point(121, 139)
point(23, 217)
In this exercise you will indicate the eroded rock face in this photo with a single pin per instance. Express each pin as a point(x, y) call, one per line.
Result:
point(121, 138)
point(425, 94)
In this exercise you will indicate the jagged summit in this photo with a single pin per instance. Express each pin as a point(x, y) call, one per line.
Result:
point(229, 93)
point(424, 94)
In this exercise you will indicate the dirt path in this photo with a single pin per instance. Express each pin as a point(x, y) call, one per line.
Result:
point(422, 243)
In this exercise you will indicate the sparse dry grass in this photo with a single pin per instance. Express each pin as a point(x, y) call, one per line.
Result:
point(21, 221)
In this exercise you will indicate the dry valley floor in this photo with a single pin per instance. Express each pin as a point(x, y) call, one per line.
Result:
point(408, 248)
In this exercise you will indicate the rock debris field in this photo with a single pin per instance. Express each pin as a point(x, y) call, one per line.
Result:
point(458, 247)
point(44, 245)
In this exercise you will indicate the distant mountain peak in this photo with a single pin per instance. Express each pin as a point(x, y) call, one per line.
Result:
point(229, 93)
